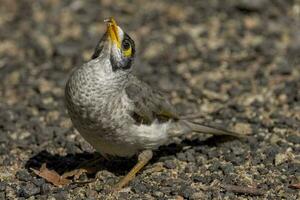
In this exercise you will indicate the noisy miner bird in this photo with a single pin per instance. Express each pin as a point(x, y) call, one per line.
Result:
point(118, 114)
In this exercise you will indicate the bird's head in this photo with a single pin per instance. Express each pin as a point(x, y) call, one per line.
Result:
point(116, 46)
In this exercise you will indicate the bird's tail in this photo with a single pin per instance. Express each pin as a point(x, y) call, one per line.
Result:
point(185, 126)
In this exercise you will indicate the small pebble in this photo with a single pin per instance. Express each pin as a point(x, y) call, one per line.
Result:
point(28, 190)
point(23, 175)
point(169, 164)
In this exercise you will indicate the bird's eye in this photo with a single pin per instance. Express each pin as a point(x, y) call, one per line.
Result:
point(126, 47)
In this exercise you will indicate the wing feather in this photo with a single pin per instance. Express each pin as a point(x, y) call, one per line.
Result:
point(149, 105)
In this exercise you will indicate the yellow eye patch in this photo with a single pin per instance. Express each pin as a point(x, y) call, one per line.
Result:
point(127, 52)
point(126, 48)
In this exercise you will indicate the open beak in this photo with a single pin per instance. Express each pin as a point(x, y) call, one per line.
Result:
point(112, 30)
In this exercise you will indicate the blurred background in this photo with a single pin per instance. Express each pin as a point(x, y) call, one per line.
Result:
point(235, 62)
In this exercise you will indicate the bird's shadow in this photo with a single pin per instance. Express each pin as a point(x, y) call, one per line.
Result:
point(118, 166)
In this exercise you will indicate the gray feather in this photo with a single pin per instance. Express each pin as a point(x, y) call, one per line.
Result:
point(150, 105)
point(197, 127)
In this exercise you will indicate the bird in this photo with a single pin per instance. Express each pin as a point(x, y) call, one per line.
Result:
point(119, 114)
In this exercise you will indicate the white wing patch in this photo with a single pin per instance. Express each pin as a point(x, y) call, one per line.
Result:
point(151, 136)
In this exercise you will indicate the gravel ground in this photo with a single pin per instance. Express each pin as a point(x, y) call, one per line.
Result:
point(236, 63)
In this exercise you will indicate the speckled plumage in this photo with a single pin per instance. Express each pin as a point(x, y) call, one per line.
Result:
point(100, 109)
point(114, 111)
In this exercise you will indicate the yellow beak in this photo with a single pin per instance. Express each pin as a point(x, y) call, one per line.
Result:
point(112, 30)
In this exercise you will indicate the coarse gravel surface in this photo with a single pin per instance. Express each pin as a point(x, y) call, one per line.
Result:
point(235, 63)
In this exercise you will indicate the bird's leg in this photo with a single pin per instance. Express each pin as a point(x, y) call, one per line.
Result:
point(143, 158)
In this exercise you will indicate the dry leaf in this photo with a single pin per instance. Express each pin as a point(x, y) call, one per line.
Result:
point(179, 198)
point(51, 176)
point(295, 186)
point(76, 173)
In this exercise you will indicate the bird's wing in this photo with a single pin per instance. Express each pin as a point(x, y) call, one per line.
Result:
point(149, 105)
